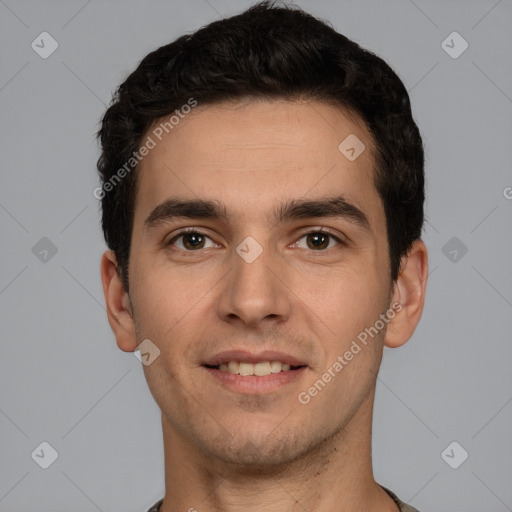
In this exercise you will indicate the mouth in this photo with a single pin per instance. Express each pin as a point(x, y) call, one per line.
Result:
point(243, 372)
point(260, 369)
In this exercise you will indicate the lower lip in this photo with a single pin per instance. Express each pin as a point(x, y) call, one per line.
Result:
point(254, 384)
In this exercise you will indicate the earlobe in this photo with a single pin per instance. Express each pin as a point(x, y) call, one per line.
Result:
point(409, 292)
point(119, 307)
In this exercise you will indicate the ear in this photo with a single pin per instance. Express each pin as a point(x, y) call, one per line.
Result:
point(117, 300)
point(408, 295)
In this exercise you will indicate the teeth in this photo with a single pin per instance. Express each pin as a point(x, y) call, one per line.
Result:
point(260, 369)
point(246, 369)
point(275, 366)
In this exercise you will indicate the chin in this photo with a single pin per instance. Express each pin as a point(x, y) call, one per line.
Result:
point(257, 457)
point(257, 452)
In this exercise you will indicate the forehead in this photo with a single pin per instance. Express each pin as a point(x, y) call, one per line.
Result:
point(258, 153)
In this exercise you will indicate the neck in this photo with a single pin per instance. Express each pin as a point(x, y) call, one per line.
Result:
point(335, 475)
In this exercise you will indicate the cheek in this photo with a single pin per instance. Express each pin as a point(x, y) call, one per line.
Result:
point(350, 306)
point(353, 348)
point(164, 297)
point(171, 309)
point(347, 300)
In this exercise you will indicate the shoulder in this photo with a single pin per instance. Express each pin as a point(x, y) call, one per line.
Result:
point(156, 506)
point(404, 507)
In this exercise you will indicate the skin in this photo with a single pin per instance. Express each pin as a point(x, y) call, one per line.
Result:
point(229, 451)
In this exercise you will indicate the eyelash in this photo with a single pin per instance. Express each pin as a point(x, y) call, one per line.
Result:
point(187, 231)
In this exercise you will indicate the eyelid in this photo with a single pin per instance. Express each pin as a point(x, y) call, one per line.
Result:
point(320, 229)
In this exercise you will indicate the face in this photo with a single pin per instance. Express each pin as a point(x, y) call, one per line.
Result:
point(265, 273)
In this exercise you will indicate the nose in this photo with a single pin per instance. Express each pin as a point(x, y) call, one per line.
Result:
point(255, 291)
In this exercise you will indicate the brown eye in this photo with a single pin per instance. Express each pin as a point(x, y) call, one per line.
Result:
point(190, 241)
point(319, 240)
point(193, 241)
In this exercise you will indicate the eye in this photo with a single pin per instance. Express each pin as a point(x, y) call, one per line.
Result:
point(192, 240)
point(319, 240)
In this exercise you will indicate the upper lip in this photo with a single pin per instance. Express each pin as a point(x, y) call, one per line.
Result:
point(251, 357)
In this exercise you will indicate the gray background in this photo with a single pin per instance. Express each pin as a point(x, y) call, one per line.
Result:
point(62, 378)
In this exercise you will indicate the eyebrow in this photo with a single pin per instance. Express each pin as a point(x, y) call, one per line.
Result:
point(174, 208)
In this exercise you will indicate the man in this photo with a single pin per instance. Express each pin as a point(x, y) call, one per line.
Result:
point(262, 195)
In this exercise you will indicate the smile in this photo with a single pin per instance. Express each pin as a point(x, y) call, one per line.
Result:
point(260, 369)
